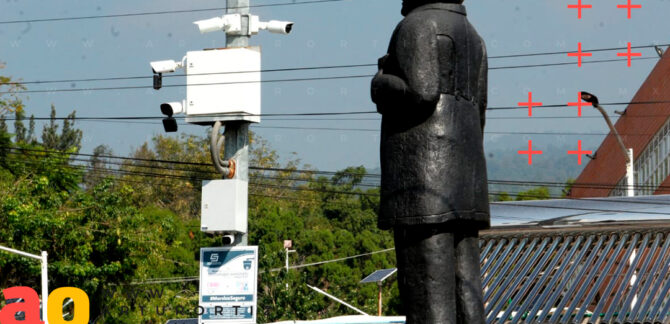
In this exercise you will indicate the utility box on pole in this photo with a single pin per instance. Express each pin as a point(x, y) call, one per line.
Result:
point(224, 85)
point(224, 206)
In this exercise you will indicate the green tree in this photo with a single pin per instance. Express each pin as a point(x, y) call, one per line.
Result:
point(540, 193)
point(19, 128)
point(97, 166)
point(568, 188)
point(9, 94)
point(69, 138)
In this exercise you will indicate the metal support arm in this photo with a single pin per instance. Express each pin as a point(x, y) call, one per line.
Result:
point(614, 131)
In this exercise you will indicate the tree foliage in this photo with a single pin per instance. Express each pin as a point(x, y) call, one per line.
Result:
point(123, 231)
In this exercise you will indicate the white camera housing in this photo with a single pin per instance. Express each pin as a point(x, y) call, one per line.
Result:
point(167, 66)
point(173, 108)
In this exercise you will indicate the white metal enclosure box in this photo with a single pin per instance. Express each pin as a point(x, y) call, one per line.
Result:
point(223, 84)
point(224, 206)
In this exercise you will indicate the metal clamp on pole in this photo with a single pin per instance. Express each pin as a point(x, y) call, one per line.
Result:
point(227, 168)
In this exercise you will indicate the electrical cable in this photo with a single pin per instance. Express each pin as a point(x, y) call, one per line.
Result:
point(494, 68)
point(154, 175)
point(485, 132)
point(292, 69)
point(374, 130)
point(152, 13)
point(190, 85)
point(568, 52)
point(300, 266)
point(325, 67)
point(346, 113)
point(357, 76)
point(226, 168)
point(288, 170)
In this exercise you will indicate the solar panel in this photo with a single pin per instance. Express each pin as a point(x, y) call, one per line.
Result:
point(379, 275)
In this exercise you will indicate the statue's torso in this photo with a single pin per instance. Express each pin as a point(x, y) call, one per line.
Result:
point(433, 166)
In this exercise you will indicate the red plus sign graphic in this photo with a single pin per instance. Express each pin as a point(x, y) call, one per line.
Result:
point(579, 104)
point(579, 54)
point(530, 104)
point(579, 152)
point(629, 7)
point(579, 8)
point(629, 54)
point(530, 152)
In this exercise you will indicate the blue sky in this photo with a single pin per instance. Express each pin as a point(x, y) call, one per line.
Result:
point(338, 33)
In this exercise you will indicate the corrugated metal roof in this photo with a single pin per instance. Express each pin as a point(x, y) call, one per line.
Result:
point(599, 277)
point(602, 260)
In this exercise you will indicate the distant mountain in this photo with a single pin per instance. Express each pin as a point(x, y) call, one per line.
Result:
point(553, 166)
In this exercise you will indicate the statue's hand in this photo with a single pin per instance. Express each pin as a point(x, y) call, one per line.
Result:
point(375, 89)
point(388, 91)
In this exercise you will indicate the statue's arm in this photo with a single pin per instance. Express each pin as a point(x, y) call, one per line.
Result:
point(483, 86)
point(388, 89)
point(417, 58)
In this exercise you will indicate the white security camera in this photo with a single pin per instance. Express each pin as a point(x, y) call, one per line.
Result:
point(169, 109)
point(278, 27)
point(228, 239)
point(210, 25)
point(172, 108)
point(231, 24)
point(167, 66)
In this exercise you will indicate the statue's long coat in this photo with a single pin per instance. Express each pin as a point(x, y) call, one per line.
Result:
point(432, 157)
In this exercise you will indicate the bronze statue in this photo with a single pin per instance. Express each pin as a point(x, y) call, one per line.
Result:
point(431, 91)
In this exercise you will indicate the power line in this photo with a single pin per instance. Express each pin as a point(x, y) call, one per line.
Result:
point(300, 266)
point(326, 67)
point(332, 191)
point(566, 63)
point(190, 85)
point(153, 13)
point(130, 119)
point(485, 132)
point(567, 52)
point(338, 260)
point(265, 81)
point(342, 113)
point(368, 112)
point(502, 182)
point(361, 194)
point(375, 130)
point(621, 103)
point(289, 170)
